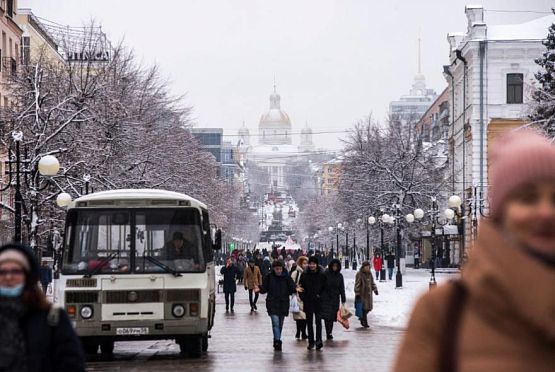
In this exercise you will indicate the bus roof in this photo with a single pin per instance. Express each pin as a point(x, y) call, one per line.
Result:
point(137, 194)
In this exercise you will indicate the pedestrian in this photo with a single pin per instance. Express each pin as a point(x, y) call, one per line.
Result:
point(417, 258)
point(499, 316)
point(258, 260)
point(300, 317)
point(278, 286)
point(252, 279)
point(377, 262)
point(35, 336)
point(266, 266)
point(289, 263)
point(334, 291)
point(241, 265)
point(229, 271)
point(364, 286)
point(390, 260)
point(313, 282)
point(45, 274)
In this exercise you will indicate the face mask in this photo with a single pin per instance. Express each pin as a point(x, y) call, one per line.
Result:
point(11, 291)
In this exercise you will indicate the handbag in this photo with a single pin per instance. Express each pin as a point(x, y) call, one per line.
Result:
point(343, 321)
point(345, 312)
point(358, 308)
point(294, 305)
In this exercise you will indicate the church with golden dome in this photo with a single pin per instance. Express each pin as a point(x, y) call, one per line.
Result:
point(276, 146)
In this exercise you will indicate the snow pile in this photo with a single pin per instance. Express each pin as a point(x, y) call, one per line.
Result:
point(393, 307)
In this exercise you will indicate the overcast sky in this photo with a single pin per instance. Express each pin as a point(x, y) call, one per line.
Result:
point(334, 61)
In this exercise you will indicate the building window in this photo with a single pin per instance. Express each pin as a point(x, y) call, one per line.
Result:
point(514, 88)
point(9, 8)
point(25, 50)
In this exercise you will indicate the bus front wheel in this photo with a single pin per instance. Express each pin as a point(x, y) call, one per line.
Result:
point(191, 346)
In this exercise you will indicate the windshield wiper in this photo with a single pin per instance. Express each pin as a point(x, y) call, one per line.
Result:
point(101, 265)
point(162, 265)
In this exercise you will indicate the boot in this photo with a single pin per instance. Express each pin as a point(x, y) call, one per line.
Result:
point(365, 324)
point(310, 345)
point(278, 346)
point(298, 334)
point(319, 345)
point(329, 337)
point(304, 336)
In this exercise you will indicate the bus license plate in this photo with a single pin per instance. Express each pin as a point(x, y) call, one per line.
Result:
point(131, 331)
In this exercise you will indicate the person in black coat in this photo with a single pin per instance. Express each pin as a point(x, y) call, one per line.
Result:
point(229, 271)
point(334, 291)
point(266, 266)
point(279, 286)
point(313, 283)
point(35, 337)
point(390, 259)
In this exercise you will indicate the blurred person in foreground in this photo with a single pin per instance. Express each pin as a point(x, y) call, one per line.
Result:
point(500, 316)
point(35, 336)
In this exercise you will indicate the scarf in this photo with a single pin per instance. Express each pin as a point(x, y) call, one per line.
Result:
point(12, 340)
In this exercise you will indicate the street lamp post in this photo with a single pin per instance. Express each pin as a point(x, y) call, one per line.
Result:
point(382, 220)
point(409, 218)
point(434, 218)
point(47, 166)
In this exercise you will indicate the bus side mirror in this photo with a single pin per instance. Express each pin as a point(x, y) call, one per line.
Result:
point(217, 245)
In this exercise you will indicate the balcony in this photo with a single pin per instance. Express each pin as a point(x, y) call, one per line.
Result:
point(9, 66)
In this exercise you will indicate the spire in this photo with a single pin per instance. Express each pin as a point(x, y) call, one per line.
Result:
point(419, 54)
point(274, 83)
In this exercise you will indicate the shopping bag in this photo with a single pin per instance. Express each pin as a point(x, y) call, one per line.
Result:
point(344, 311)
point(294, 305)
point(343, 321)
point(358, 308)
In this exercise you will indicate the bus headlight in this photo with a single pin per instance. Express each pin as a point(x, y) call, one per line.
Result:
point(178, 310)
point(86, 312)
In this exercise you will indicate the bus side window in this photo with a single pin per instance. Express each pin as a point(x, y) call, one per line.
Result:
point(207, 238)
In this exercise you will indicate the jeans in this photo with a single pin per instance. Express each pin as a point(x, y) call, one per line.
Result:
point(377, 274)
point(277, 326)
point(312, 317)
point(251, 301)
point(229, 300)
point(390, 272)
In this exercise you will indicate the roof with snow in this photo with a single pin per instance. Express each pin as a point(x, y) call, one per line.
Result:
point(535, 29)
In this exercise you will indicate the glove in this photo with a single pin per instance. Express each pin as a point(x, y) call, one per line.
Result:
point(376, 292)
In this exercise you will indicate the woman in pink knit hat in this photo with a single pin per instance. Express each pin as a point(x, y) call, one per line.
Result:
point(500, 316)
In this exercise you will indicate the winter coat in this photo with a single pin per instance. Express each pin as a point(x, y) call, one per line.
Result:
point(378, 262)
point(333, 291)
point(506, 323)
point(252, 277)
point(230, 278)
point(266, 266)
point(52, 347)
point(296, 276)
point(313, 283)
point(278, 289)
point(390, 259)
point(364, 286)
point(45, 275)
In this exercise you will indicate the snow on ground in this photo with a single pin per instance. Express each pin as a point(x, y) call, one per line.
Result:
point(393, 307)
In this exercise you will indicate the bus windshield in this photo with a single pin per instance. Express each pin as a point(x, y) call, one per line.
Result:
point(108, 241)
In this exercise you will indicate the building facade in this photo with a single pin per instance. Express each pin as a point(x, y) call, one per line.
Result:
point(491, 69)
point(36, 41)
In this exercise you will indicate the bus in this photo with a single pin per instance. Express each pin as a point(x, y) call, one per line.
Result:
point(139, 265)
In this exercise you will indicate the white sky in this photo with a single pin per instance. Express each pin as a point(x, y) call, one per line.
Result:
point(334, 61)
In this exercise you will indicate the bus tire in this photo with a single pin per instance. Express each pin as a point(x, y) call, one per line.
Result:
point(191, 346)
point(107, 348)
point(89, 347)
point(204, 343)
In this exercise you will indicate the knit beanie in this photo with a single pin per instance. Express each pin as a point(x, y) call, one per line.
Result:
point(518, 158)
point(29, 263)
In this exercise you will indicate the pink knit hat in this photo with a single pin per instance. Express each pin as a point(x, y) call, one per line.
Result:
point(518, 158)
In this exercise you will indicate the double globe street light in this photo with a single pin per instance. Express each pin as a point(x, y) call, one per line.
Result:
point(18, 168)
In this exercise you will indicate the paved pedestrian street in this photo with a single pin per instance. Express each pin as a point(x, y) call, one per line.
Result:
point(243, 341)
